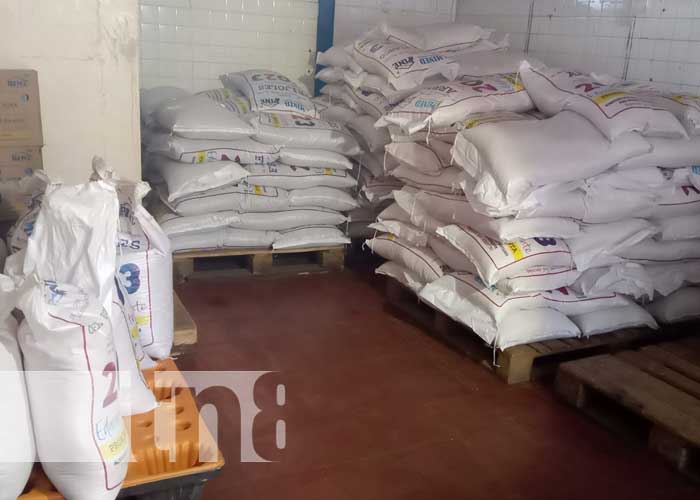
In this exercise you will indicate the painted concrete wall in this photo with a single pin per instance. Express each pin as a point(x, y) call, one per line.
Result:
point(87, 55)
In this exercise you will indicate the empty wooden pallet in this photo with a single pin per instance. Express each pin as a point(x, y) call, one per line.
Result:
point(519, 363)
point(654, 390)
point(258, 262)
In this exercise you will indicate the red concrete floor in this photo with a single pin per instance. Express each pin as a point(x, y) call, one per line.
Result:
point(376, 409)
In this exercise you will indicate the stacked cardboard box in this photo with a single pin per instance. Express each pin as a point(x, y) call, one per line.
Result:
point(21, 138)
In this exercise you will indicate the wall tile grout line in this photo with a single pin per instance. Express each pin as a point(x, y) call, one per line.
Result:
point(530, 17)
point(628, 48)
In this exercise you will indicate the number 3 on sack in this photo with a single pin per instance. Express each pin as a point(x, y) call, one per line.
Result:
point(131, 277)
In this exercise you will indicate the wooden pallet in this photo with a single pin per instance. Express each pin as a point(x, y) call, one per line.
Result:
point(520, 363)
point(653, 389)
point(262, 261)
point(185, 332)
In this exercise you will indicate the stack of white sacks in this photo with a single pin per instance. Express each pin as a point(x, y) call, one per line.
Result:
point(571, 200)
point(73, 367)
point(251, 165)
point(366, 79)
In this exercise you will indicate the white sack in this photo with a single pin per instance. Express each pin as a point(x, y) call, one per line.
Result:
point(617, 318)
point(403, 275)
point(633, 179)
point(381, 188)
point(434, 37)
point(611, 108)
point(446, 181)
point(245, 151)
point(598, 244)
point(421, 261)
point(288, 220)
point(173, 224)
point(339, 92)
point(681, 305)
point(372, 139)
point(671, 153)
point(669, 277)
point(446, 103)
point(685, 227)
point(16, 434)
point(184, 179)
point(21, 230)
point(404, 67)
point(394, 212)
point(223, 238)
point(134, 394)
point(421, 157)
point(496, 261)
point(330, 74)
point(232, 100)
point(337, 56)
point(625, 278)
point(656, 252)
point(457, 295)
point(444, 134)
point(512, 152)
point(683, 106)
point(67, 331)
point(684, 200)
point(288, 177)
point(451, 209)
point(198, 117)
point(535, 325)
point(151, 99)
point(370, 103)
point(241, 198)
point(373, 162)
point(324, 197)
point(146, 271)
point(333, 110)
point(539, 278)
point(453, 258)
point(594, 207)
point(314, 158)
point(310, 237)
point(298, 132)
point(380, 85)
point(403, 230)
point(269, 91)
point(608, 205)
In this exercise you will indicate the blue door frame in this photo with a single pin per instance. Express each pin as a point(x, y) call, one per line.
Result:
point(324, 32)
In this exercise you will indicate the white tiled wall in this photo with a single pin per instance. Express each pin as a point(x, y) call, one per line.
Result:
point(189, 43)
point(354, 17)
point(505, 16)
point(647, 40)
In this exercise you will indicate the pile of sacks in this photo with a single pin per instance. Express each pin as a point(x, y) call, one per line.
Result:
point(73, 366)
point(251, 165)
point(574, 209)
point(368, 80)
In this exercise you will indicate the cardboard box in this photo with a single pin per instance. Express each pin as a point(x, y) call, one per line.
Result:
point(19, 162)
point(20, 109)
point(16, 164)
